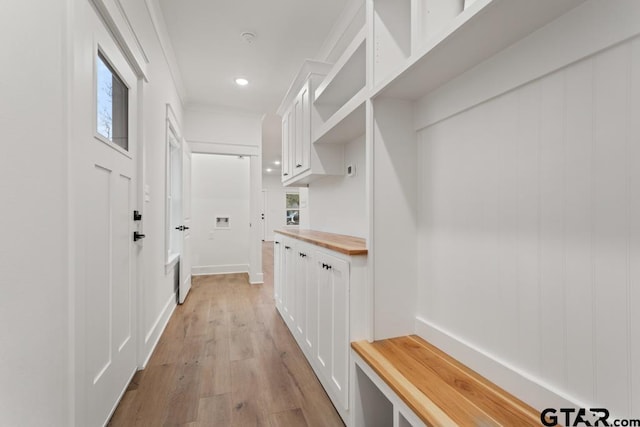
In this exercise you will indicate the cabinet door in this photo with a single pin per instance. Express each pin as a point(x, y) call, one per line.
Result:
point(333, 324)
point(302, 112)
point(311, 304)
point(288, 291)
point(277, 273)
point(287, 145)
point(301, 293)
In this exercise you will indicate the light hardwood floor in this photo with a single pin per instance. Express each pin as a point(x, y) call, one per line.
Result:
point(227, 359)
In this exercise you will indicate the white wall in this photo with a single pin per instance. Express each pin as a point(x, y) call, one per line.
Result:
point(34, 308)
point(529, 215)
point(158, 285)
point(274, 209)
point(225, 131)
point(337, 204)
point(220, 186)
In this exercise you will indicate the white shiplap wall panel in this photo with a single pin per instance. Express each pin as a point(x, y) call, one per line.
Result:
point(578, 94)
point(527, 200)
point(529, 228)
point(634, 214)
point(611, 226)
point(551, 174)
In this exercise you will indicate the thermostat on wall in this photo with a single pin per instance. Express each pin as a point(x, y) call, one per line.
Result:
point(223, 222)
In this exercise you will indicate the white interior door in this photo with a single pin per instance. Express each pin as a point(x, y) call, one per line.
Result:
point(107, 196)
point(185, 256)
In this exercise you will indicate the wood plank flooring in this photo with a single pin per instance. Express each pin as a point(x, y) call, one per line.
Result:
point(226, 358)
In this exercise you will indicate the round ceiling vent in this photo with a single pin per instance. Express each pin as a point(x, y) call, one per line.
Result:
point(248, 37)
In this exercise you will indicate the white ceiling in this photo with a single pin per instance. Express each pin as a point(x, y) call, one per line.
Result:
point(205, 35)
point(210, 53)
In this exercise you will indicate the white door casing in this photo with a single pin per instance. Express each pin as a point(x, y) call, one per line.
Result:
point(263, 215)
point(185, 256)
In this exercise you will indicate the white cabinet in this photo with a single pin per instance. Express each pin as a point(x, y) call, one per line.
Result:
point(304, 297)
point(288, 283)
point(287, 127)
point(322, 297)
point(302, 149)
point(332, 355)
point(277, 272)
point(303, 161)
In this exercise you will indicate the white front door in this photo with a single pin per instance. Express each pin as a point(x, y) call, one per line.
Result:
point(105, 171)
point(185, 256)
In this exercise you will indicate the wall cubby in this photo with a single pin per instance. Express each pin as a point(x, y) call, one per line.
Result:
point(339, 99)
point(391, 37)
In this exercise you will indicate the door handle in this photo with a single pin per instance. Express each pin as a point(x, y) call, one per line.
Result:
point(137, 216)
point(137, 236)
point(180, 228)
point(184, 227)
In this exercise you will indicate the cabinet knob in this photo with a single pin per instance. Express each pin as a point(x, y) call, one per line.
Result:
point(298, 166)
point(285, 174)
point(287, 247)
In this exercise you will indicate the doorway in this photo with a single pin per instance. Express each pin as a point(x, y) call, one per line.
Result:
point(221, 216)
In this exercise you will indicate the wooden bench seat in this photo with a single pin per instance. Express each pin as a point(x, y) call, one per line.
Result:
point(440, 390)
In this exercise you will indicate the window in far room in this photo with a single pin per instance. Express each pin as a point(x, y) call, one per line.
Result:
point(293, 208)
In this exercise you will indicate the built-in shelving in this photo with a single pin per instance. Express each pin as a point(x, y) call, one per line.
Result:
point(392, 34)
point(480, 31)
point(339, 99)
point(346, 124)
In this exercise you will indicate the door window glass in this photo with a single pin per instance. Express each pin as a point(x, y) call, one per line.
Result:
point(112, 105)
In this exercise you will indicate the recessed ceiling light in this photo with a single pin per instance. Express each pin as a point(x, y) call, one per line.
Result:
point(277, 162)
point(269, 169)
point(242, 81)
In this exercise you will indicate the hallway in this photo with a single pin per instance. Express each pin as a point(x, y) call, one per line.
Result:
point(226, 358)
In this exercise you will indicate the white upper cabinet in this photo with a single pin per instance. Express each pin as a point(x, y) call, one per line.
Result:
point(302, 161)
point(286, 145)
point(302, 149)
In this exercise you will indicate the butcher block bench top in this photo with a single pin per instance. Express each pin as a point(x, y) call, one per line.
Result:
point(439, 389)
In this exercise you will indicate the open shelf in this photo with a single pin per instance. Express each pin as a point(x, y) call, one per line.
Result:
point(391, 37)
point(346, 124)
point(480, 31)
point(346, 78)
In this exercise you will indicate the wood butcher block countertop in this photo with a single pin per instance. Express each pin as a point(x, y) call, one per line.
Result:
point(348, 245)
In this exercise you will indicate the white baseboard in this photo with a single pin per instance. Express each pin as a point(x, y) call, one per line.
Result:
point(205, 270)
point(526, 387)
point(153, 336)
point(256, 279)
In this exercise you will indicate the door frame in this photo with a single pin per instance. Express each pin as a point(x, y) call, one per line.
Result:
point(123, 41)
point(254, 153)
